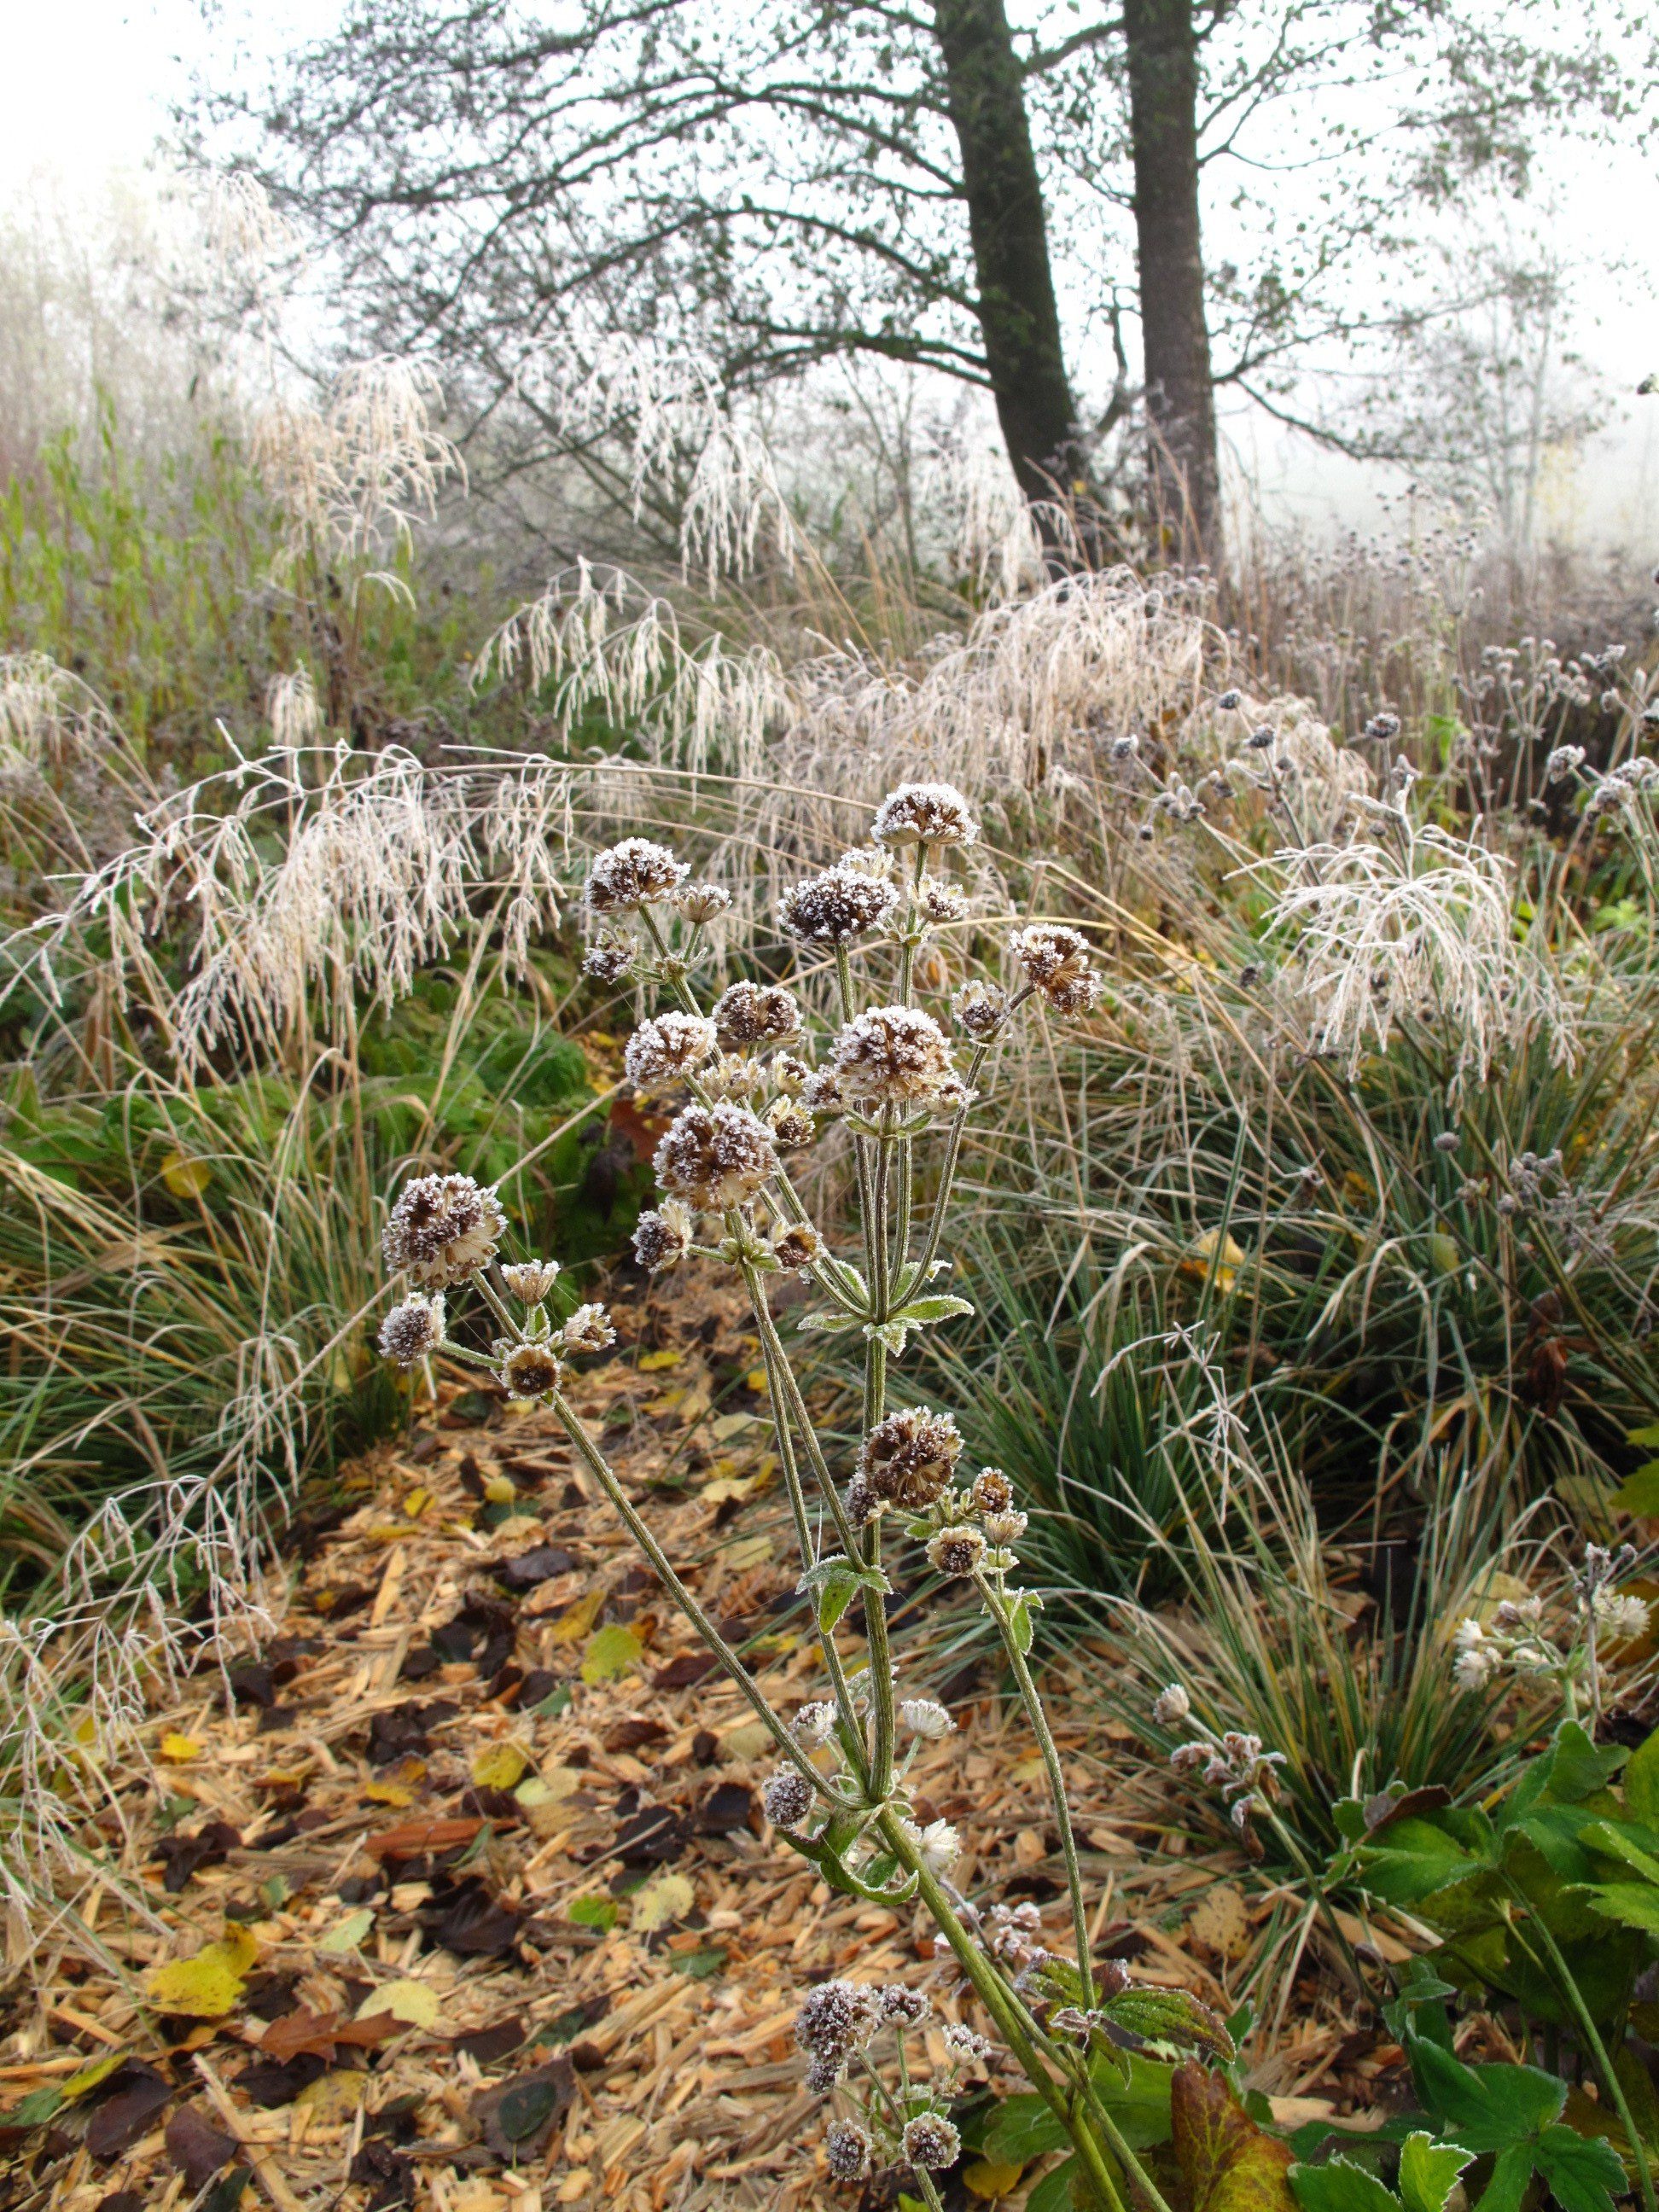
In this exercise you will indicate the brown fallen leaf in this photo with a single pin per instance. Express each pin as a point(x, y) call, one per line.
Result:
point(197, 2147)
point(517, 2118)
point(412, 1838)
point(318, 2033)
point(130, 2099)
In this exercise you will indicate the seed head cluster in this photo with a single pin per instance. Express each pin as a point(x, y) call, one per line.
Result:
point(412, 1330)
point(716, 1157)
point(924, 814)
point(755, 1013)
point(907, 1460)
point(667, 1047)
point(956, 1551)
point(892, 1056)
point(529, 1280)
point(836, 907)
point(1056, 960)
point(633, 874)
point(931, 2142)
point(981, 1009)
point(848, 2150)
point(787, 1798)
point(664, 1238)
point(530, 1372)
point(588, 1329)
point(443, 1229)
point(834, 2020)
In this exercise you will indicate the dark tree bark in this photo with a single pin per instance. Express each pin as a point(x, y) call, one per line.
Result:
point(1163, 55)
point(1008, 231)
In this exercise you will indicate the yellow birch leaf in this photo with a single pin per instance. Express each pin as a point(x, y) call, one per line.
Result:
point(346, 1935)
point(574, 1623)
point(499, 1490)
point(178, 1749)
point(202, 1987)
point(501, 1767)
point(661, 1903)
point(334, 2098)
point(413, 2002)
point(388, 1793)
point(988, 2179)
point(90, 2076)
point(183, 1176)
point(416, 1503)
point(614, 1651)
point(652, 1363)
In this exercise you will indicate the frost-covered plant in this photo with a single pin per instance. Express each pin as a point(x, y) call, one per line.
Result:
point(1560, 1637)
point(760, 1083)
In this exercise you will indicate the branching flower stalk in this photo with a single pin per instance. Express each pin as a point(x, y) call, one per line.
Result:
point(755, 1088)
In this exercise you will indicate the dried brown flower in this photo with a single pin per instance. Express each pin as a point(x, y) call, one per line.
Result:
point(412, 1330)
point(716, 1157)
point(667, 1047)
point(924, 814)
point(892, 1055)
point(956, 1551)
point(909, 1459)
point(755, 1013)
point(529, 1371)
point(837, 907)
point(663, 1237)
point(443, 1229)
point(632, 874)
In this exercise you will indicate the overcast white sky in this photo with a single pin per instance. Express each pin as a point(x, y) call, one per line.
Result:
point(94, 79)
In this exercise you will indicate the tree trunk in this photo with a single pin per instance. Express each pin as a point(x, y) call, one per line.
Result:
point(1009, 233)
point(1162, 52)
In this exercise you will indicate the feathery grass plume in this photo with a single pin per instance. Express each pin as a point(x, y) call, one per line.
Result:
point(292, 709)
point(353, 476)
point(1421, 929)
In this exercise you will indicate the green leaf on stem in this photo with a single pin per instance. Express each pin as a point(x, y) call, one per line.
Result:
point(835, 1582)
point(1023, 1604)
point(1429, 2172)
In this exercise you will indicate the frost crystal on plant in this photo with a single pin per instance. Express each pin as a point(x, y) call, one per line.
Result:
point(892, 1056)
point(755, 1013)
point(529, 1280)
point(931, 2142)
point(787, 1798)
point(925, 1718)
point(588, 1329)
point(956, 1551)
point(836, 907)
point(909, 1458)
point(848, 2150)
point(662, 1238)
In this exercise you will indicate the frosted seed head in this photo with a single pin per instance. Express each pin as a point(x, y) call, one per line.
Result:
point(755, 1013)
point(668, 1046)
point(791, 1125)
point(529, 1280)
point(530, 1372)
point(924, 814)
point(702, 902)
point(931, 2142)
point(992, 1493)
point(609, 959)
point(891, 1057)
point(716, 1157)
point(796, 1244)
point(787, 1798)
point(927, 1718)
point(1171, 1706)
point(443, 1229)
point(848, 2150)
point(588, 1329)
point(836, 907)
point(633, 874)
point(979, 1009)
point(412, 1330)
point(956, 1551)
point(909, 1459)
point(662, 1238)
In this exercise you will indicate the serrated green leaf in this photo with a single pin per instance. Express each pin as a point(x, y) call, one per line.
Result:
point(1485, 2108)
point(1340, 2186)
point(1429, 2172)
point(1578, 1768)
point(1173, 2017)
point(1641, 1782)
point(1582, 2173)
point(831, 1320)
point(923, 1313)
point(1638, 1492)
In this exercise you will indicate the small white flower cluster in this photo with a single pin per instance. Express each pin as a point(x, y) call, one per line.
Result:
point(1516, 1639)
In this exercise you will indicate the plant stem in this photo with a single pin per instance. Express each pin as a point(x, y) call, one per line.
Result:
point(594, 1459)
point(1039, 1719)
point(1598, 2051)
point(996, 2001)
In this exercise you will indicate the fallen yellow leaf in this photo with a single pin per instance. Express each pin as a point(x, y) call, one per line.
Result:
point(988, 2179)
point(388, 1793)
point(669, 1898)
point(614, 1651)
point(346, 1935)
point(415, 2003)
point(501, 1767)
point(573, 1624)
point(205, 1987)
point(178, 1749)
point(90, 2076)
point(1216, 1253)
point(416, 1503)
point(334, 2098)
point(499, 1490)
point(652, 1363)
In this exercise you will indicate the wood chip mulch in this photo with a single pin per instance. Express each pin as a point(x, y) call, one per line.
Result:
point(477, 1838)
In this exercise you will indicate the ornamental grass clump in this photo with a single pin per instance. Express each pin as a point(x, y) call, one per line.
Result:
point(762, 1080)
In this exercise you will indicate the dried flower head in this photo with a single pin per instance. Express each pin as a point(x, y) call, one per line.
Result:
point(813, 1724)
point(529, 1371)
point(609, 959)
point(1171, 1706)
point(702, 902)
point(942, 902)
point(443, 1229)
point(981, 1009)
point(529, 1280)
point(795, 1244)
point(716, 1157)
point(631, 875)
point(787, 1798)
point(836, 2018)
point(667, 1047)
point(931, 2142)
point(755, 1013)
point(1621, 1618)
point(1056, 960)
point(957, 1550)
point(1004, 1529)
point(927, 1718)
point(963, 2046)
point(924, 814)
point(909, 1459)
point(790, 1072)
point(891, 1057)
point(848, 2150)
point(412, 1330)
point(992, 1493)
point(791, 1125)
point(662, 1238)
point(902, 2007)
point(827, 2071)
point(837, 907)
point(588, 1329)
